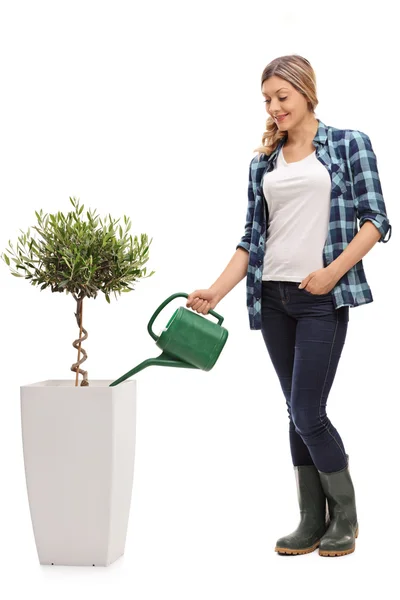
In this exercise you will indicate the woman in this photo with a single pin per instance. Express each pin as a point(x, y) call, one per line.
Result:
point(302, 251)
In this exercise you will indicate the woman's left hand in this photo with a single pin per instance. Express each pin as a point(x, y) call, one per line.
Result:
point(321, 281)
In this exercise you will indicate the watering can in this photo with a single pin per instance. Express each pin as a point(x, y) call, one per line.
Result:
point(188, 341)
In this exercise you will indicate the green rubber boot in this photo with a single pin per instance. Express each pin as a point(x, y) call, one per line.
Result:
point(314, 515)
point(340, 536)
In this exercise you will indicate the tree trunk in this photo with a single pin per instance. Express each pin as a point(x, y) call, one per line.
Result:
point(77, 344)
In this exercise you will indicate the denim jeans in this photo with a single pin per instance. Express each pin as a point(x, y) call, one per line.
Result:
point(304, 334)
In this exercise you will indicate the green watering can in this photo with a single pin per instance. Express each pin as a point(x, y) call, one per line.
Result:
point(189, 340)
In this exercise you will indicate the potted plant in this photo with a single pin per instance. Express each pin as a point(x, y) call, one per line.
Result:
point(79, 440)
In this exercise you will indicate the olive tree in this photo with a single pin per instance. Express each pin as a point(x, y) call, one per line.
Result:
point(81, 257)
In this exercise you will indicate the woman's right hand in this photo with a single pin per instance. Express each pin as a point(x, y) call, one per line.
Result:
point(202, 301)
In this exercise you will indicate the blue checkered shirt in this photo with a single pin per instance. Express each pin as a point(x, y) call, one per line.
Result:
point(355, 193)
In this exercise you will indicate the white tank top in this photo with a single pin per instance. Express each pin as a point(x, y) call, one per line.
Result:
point(298, 196)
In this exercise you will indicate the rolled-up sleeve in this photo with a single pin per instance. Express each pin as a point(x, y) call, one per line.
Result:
point(369, 202)
point(246, 237)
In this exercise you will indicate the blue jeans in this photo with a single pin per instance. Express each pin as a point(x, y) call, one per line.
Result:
point(304, 334)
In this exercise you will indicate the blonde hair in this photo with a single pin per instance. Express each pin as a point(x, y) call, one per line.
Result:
point(298, 71)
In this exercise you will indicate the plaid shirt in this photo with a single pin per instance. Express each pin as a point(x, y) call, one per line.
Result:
point(355, 193)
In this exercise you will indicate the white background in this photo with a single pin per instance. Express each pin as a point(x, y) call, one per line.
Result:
point(153, 110)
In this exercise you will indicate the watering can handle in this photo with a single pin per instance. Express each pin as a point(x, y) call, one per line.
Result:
point(159, 309)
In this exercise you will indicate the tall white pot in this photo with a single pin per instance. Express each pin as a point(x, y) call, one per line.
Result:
point(79, 451)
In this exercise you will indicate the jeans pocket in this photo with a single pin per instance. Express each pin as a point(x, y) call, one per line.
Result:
point(316, 295)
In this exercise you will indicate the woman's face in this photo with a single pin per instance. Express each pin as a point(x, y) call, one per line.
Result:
point(281, 98)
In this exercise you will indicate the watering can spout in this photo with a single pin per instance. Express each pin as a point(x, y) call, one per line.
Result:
point(164, 360)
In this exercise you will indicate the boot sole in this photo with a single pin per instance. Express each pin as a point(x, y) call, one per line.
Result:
point(338, 552)
point(281, 550)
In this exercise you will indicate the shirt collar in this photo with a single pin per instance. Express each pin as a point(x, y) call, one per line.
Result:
point(320, 138)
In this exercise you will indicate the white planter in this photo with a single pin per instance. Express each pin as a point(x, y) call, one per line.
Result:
point(79, 451)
